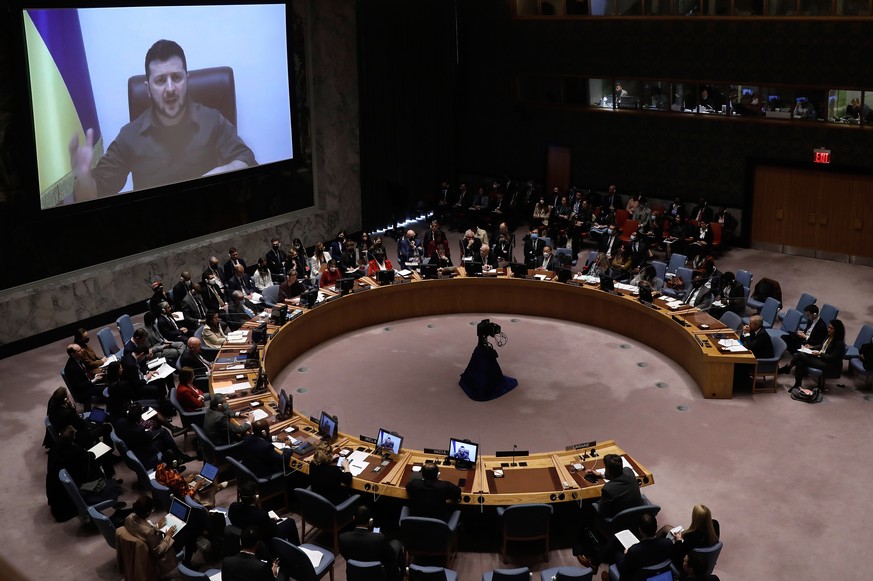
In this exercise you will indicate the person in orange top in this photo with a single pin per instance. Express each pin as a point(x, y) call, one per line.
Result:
point(182, 486)
point(190, 398)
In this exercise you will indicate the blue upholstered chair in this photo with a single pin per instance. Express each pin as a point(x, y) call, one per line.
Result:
point(107, 342)
point(567, 574)
point(295, 563)
point(104, 525)
point(770, 365)
point(365, 570)
point(320, 513)
point(525, 522)
point(429, 537)
point(78, 501)
point(419, 573)
point(519, 574)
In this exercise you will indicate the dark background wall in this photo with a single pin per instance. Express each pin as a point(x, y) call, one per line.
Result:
point(435, 104)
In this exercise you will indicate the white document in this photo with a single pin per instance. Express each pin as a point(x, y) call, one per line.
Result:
point(232, 388)
point(314, 556)
point(178, 316)
point(215, 576)
point(404, 273)
point(234, 367)
point(259, 415)
point(99, 449)
point(149, 413)
point(806, 350)
point(164, 371)
point(257, 298)
point(627, 538)
point(237, 337)
point(109, 360)
point(155, 363)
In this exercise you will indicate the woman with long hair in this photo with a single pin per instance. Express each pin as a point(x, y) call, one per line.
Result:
point(703, 531)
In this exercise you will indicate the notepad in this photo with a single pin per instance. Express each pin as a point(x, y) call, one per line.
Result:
point(99, 449)
point(627, 538)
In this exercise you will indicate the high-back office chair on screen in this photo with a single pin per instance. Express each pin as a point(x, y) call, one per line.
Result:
point(295, 564)
point(804, 301)
point(429, 537)
point(646, 572)
point(213, 87)
point(769, 365)
point(104, 525)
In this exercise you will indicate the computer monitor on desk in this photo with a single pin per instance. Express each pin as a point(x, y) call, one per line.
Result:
point(607, 284)
point(279, 314)
point(309, 298)
point(286, 405)
point(463, 452)
point(473, 268)
point(328, 427)
point(388, 442)
point(384, 277)
point(344, 285)
point(429, 270)
point(518, 269)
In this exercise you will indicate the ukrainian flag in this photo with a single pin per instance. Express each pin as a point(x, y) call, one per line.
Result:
point(63, 100)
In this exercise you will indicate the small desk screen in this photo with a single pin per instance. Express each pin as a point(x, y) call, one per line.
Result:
point(389, 442)
point(460, 450)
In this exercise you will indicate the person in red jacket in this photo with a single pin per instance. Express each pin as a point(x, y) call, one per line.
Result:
point(190, 398)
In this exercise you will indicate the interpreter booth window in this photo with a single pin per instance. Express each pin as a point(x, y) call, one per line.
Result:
point(810, 104)
point(710, 100)
point(780, 102)
point(867, 108)
point(782, 7)
point(746, 101)
point(655, 96)
point(659, 7)
point(816, 8)
point(539, 89)
point(540, 7)
point(717, 7)
point(748, 7)
point(853, 8)
point(601, 92)
point(575, 91)
point(686, 7)
point(844, 106)
point(552, 7)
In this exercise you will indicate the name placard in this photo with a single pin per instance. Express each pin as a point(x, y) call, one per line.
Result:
point(583, 445)
point(367, 439)
point(436, 451)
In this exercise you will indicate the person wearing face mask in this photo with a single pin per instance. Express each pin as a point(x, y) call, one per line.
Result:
point(533, 248)
point(639, 251)
point(338, 246)
point(89, 357)
point(213, 295)
point(158, 296)
point(541, 214)
point(318, 262)
point(232, 262)
point(262, 277)
point(275, 259)
point(212, 269)
point(610, 242)
point(378, 263)
point(547, 261)
point(330, 275)
point(409, 248)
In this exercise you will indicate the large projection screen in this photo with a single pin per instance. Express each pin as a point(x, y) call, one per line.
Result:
point(80, 62)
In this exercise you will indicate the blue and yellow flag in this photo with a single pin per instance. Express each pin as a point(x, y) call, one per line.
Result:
point(63, 100)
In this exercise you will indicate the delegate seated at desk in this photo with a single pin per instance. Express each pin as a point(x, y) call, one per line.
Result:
point(428, 496)
point(172, 141)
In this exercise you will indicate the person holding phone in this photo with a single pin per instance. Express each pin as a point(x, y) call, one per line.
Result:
point(366, 543)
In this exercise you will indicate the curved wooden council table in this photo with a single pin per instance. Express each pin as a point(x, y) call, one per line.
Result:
point(541, 477)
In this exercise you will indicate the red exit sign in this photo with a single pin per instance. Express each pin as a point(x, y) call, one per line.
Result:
point(822, 155)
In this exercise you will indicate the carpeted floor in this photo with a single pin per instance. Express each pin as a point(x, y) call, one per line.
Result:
point(787, 480)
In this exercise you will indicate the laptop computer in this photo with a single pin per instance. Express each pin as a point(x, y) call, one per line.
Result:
point(207, 474)
point(178, 515)
point(97, 416)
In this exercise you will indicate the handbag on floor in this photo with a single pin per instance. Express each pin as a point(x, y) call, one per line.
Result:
point(807, 395)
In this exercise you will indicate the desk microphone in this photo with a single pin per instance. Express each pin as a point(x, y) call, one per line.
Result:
point(514, 448)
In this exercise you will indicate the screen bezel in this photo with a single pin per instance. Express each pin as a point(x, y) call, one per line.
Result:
point(397, 438)
point(474, 456)
point(334, 429)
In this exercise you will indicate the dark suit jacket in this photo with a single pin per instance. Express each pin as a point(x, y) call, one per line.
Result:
point(490, 260)
point(76, 377)
point(330, 481)
point(138, 441)
point(608, 246)
point(646, 552)
point(229, 272)
point(169, 328)
point(818, 333)
point(428, 497)
point(191, 312)
point(703, 299)
point(619, 494)
point(362, 545)
point(180, 291)
point(246, 286)
point(276, 261)
point(759, 344)
point(533, 249)
point(260, 457)
point(550, 263)
point(246, 567)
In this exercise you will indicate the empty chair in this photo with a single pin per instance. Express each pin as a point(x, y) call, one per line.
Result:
point(160, 493)
point(320, 513)
point(295, 564)
point(770, 365)
point(76, 496)
point(271, 295)
point(857, 366)
point(519, 574)
point(732, 320)
point(107, 342)
point(268, 487)
point(429, 537)
point(676, 260)
point(865, 335)
point(525, 522)
point(104, 525)
point(790, 323)
point(768, 312)
point(213, 454)
point(188, 573)
point(647, 572)
point(716, 229)
point(744, 277)
point(546, 240)
point(660, 269)
point(567, 574)
point(364, 570)
point(125, 328)
point(804, 301)
point(828, 313)
point(592, 257)
point(419, 573)
point(562, 252)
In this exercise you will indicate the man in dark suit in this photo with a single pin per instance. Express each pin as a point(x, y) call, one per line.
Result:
point(362, 544)
point(134, 369)
point(548, 261)
point(82, 385)
point(813, 335)
point(180, 290)
point(258, 454)
point(168, 326)
point(486, 258)
point(240, 281)
point(192, 357)
point(756, 339)
point(702, 212)
point(428, 496)
point(619, 493)
point(245, 514)
point(193, 307)
point(232, 262)
point(276, 258)
point(612, 200)
point(533, 249)
point(610, 242)
point(651, 550)
point(246, 565)
point(699, 295)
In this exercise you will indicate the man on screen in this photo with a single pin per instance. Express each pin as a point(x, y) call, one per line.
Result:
point(175, 140)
